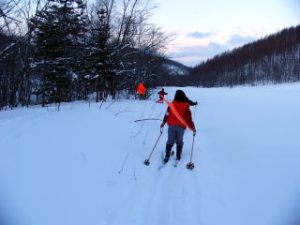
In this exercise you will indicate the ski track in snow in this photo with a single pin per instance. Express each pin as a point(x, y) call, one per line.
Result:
point(165, 197)
point(24, 120)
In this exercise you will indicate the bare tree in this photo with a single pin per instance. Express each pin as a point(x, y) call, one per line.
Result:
point(27, 9)
point(7, 15)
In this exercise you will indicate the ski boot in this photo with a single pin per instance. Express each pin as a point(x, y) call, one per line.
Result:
point(178, 152)
point(168, 153)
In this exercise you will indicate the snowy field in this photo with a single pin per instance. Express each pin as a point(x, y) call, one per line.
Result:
point(84, 166)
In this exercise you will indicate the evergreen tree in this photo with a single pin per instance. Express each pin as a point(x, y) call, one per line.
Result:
point(101, 56)
point(59, 32)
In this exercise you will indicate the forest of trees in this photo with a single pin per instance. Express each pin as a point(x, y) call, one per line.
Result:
point(54, 51)
point(273, 59)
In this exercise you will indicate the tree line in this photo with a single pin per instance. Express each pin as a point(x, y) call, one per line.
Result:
point(54, 51)
point(273, 59)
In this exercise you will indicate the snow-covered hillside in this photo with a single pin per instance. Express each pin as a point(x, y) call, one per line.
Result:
point(84, 166)
point(176, 69)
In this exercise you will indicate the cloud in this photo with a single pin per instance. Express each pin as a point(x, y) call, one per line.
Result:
point(292, 7)
point(198, 34)
point(206, 51)
point(237, 40)
point(193, 55)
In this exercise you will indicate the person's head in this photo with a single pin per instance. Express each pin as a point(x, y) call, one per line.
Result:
point(180, 96)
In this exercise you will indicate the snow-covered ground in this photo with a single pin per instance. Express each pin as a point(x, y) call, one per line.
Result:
point(84, 166)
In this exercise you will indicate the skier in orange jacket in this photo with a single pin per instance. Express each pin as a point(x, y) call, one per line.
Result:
point(178, 117)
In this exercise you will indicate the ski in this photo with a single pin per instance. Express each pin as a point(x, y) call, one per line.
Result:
point(163, 162)
point(162, 166)
point(176, 163)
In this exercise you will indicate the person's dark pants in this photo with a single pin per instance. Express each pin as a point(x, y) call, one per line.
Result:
point(175, 134)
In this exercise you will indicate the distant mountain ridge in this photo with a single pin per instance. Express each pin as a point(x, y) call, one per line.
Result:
point(172, 67)
point(273, 59)
point(172, 72)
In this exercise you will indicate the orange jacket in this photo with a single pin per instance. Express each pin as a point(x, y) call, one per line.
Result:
point(184, 112)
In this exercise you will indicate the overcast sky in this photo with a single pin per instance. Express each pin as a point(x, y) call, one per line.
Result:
point(204, 28)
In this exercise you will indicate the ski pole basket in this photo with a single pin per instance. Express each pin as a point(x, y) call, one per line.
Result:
point(147, 162)
point(191, 165)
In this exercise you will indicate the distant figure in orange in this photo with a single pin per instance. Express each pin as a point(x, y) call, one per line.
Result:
point(141, 90)
point(161, 94)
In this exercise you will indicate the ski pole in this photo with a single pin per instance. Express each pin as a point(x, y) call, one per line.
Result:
point(147, 161)
point(191, 165)
point(195, 110)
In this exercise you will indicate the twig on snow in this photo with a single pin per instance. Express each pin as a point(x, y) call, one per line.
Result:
point(134, 175)
point(124, 162)
point(110, 104)
point(122, 112)
point(103, 100)
point(147, 119)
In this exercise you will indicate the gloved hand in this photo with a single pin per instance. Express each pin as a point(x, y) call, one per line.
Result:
point(161, 130)
point(161, 127)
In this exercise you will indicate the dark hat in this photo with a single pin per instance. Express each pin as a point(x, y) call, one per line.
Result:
point(180, 96)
